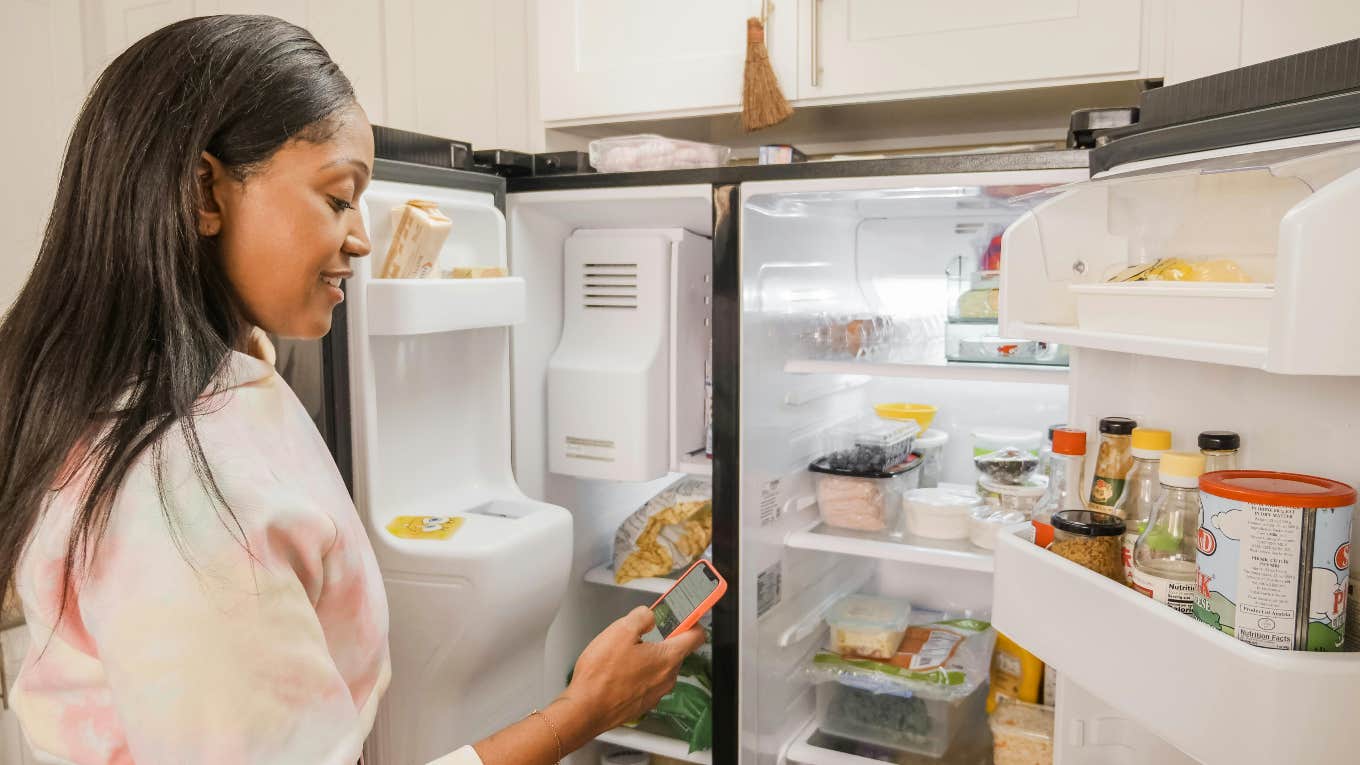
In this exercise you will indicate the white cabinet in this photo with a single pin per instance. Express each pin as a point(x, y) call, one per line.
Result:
point(612, 59)
point(895, 48)
point(1206, 37)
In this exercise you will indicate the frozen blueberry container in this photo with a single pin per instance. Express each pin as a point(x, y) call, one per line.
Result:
point(870, 444)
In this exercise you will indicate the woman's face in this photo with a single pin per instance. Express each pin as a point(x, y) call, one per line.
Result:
point(287, 232)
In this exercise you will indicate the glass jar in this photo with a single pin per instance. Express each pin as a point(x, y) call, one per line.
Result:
point(1090, 539)
point(1114, 460)
point(1219, 448)
point(1164, 556)
point(1064, 488)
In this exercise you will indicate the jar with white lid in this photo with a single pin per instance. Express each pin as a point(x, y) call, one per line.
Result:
point(986, 521)
point(1021, 499)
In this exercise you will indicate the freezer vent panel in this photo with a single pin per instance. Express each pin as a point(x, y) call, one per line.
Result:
point(610, 286)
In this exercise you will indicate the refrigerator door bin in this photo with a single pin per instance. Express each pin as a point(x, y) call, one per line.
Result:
point(1221, 313)
point(1217, 699)
point(421, 306)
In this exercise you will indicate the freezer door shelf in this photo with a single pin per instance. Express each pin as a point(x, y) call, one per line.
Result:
point(651, 743)
point(604, 575)
point(1217, 699)
point(423, 306)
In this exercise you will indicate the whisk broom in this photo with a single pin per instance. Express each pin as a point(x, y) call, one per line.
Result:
point(762, 103)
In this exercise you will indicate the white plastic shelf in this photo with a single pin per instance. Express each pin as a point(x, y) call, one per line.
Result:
point(953, 370)
point(643, 741)
point(959, 554)
point(604, 575)
point(424, 306)
point(1217, 699)
point(1145, 345)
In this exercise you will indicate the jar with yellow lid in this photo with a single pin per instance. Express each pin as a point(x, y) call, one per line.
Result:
point(1164, 555)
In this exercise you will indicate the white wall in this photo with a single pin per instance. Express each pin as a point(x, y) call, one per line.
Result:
point(457, 68)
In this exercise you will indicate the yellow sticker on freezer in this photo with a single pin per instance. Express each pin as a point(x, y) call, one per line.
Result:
point(424, 526)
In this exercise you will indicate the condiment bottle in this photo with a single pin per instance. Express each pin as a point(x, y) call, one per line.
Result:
point(1219, 448)
point(1142, 489)
point(1113, 462)
point(1064, 487)
point(1089, 538)
point(1046, 453)
point(1164, 556)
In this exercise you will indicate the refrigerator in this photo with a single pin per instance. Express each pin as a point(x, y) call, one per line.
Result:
point(452, 403)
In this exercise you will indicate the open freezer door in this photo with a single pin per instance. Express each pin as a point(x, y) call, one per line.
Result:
point(429, 378)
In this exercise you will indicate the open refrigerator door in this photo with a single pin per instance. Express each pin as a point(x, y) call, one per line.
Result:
point(848, 292)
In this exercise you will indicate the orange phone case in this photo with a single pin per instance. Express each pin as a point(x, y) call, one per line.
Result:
point(704, 607)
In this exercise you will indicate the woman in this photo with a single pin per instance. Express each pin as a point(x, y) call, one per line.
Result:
point(196, 581)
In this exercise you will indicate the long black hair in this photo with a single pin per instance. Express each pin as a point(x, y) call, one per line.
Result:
point(127, 317)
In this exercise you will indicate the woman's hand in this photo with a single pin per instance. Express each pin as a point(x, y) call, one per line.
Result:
point(618, 678)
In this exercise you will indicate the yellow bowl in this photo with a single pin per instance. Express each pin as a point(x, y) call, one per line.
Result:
point(924, 414)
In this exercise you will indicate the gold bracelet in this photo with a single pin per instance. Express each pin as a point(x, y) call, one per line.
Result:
point(557, 738)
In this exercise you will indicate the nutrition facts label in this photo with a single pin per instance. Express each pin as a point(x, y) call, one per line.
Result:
point(1179, 595)
point(1268, 576)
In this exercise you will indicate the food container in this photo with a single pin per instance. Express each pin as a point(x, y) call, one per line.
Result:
point(922, 414)
point(986, 521)
point(1090, 539)
point(864, 501)
point(1004, 350)
point(898, 719)
point(1020, 499)
point(1022, 734)
point(1273, 558)
point(1010, 466)
point(868, 626)
point(988, 440)
point(930, 445)
point(939, 513)
point(870, 444)
point(632, 153)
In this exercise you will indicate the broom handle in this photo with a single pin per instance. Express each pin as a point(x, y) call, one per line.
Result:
point(816, 43)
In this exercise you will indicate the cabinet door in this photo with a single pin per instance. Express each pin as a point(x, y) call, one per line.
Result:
point(897, 48)
point(619, 58)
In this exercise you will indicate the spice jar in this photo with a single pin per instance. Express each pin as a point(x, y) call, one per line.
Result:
point(1090, 539)
point(1114, 460)
point(1219, 448)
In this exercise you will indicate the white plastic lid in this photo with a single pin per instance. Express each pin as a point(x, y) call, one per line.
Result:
point(870, 612)
point(940, 500)
point(990, 514)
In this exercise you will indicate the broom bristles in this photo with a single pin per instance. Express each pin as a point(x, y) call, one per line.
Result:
point(762, 102)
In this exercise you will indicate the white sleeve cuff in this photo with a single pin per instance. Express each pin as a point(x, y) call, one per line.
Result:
point(465, 756)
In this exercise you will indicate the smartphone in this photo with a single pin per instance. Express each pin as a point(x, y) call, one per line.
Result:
point(692, 595)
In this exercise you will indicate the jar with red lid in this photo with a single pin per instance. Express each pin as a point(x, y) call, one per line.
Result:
point(1273, 558)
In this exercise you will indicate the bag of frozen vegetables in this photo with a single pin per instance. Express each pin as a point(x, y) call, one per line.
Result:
point(944, 659)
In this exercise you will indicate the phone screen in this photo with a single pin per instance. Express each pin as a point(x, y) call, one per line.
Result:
point(691, 591)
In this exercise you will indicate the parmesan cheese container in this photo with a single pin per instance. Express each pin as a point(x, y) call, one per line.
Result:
point(419, 231)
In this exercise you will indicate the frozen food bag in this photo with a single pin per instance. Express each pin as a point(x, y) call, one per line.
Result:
point(667, 534)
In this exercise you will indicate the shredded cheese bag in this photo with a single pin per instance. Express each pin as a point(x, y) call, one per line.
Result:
point(667, 534)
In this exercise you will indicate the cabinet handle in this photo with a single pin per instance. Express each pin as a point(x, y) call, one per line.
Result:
point(816, 43)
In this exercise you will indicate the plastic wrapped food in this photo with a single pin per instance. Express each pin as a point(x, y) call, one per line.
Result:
point(667, 534)
point(870, 444)
point(864, 501)
point(418, 235)
point(1022, 734)
point(632, 153)
point(1010, 465)
point(944, 660)
point(868, 626)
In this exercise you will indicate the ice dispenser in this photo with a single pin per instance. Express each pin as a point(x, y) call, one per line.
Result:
point(625, 394)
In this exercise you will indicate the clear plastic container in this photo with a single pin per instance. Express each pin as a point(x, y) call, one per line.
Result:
point(1021, 499)
point(900, 720)
point(632, 153)
point(930, 445)
point(868, 626)
point(1022, 734)
point(869, 444)
point(987, 521)
point(864, 501)
point(1010, 466)
point(988, 440)
point(939, 513)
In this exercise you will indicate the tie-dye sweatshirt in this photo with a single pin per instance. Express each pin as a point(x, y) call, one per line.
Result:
point(255, 636)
